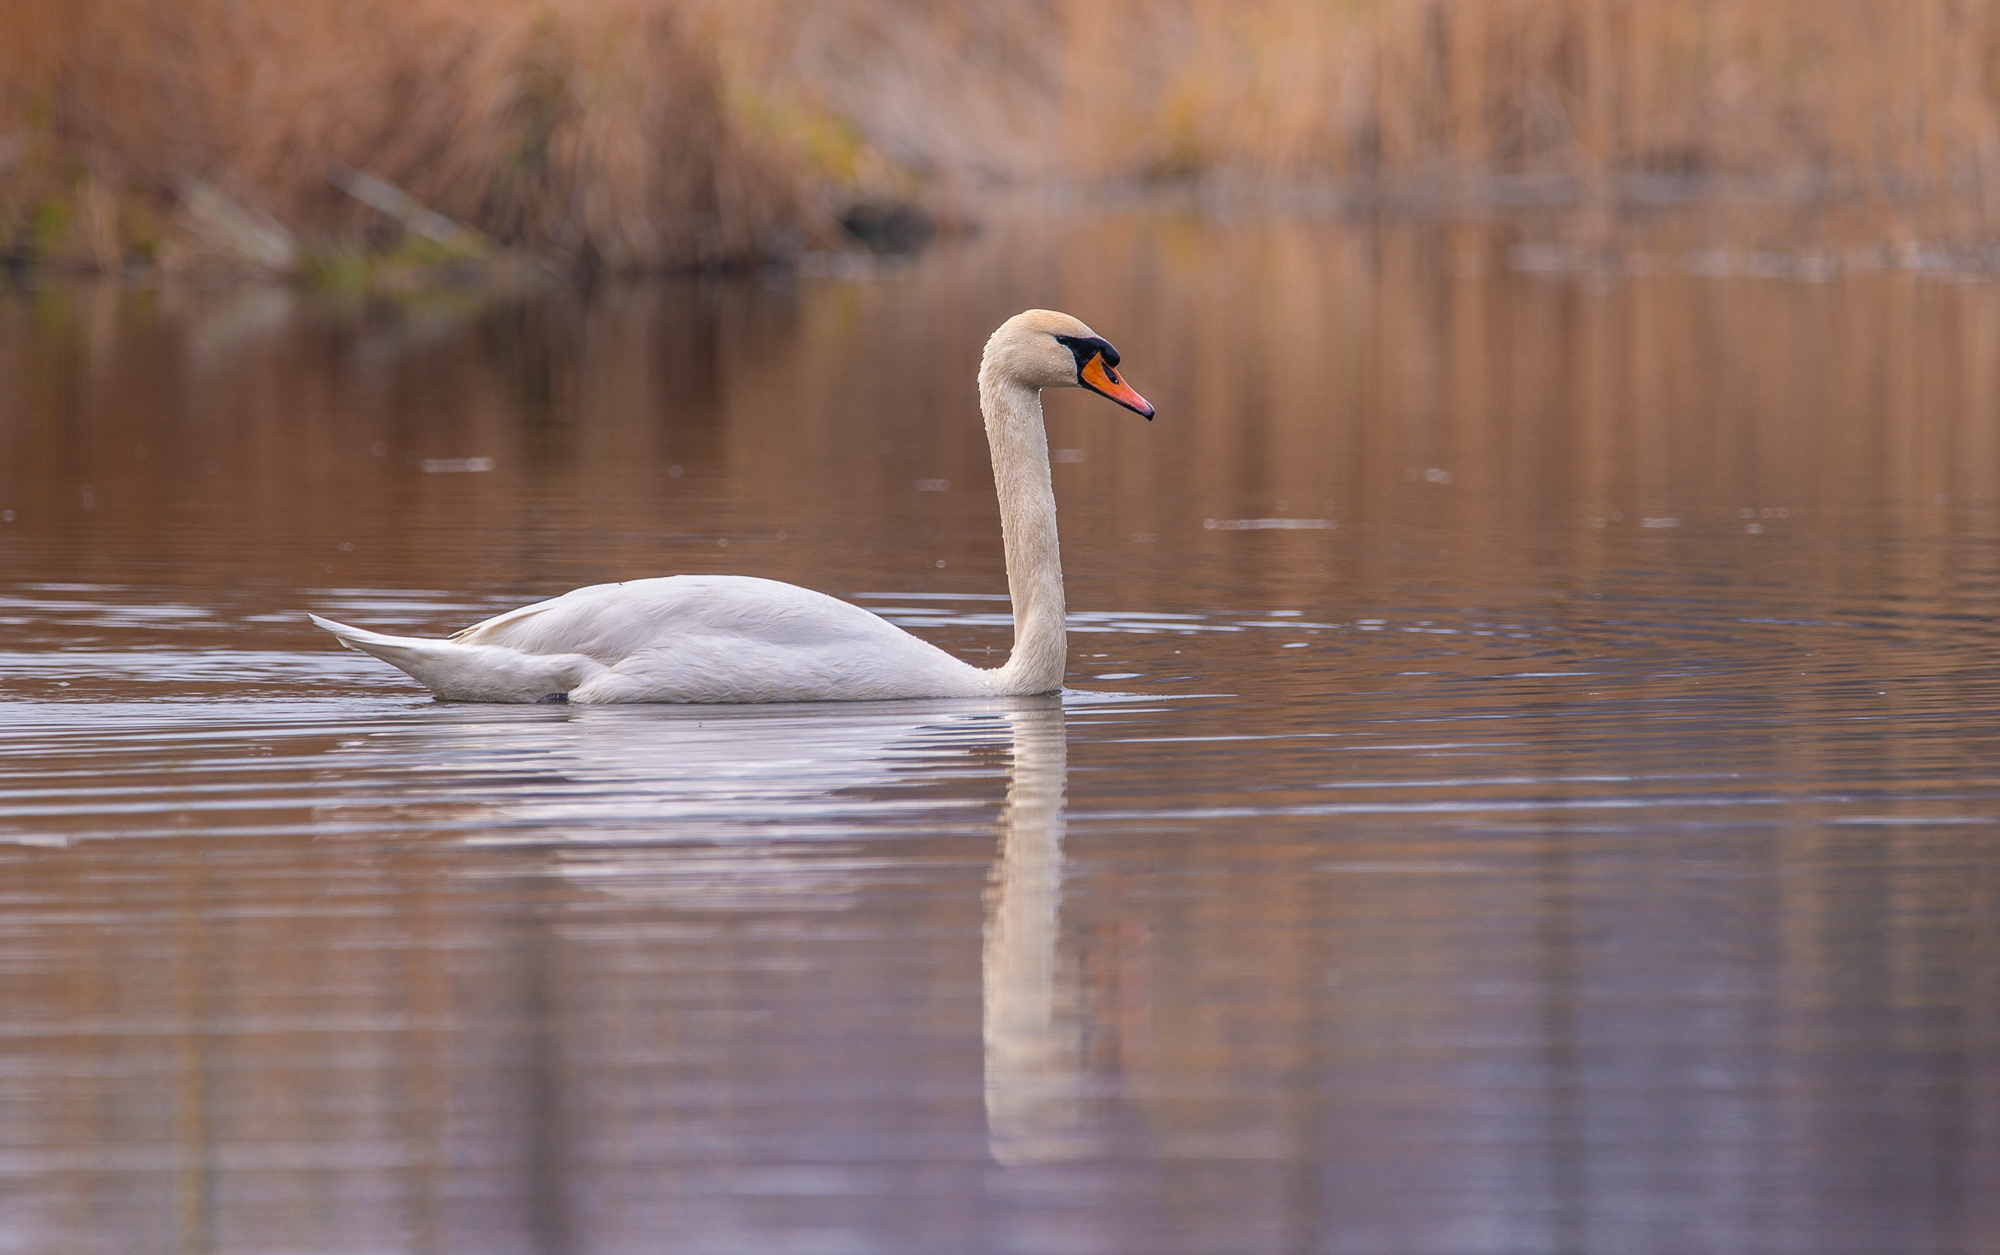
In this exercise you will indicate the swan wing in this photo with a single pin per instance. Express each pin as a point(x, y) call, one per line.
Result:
point(613, 621)
point(727, 638)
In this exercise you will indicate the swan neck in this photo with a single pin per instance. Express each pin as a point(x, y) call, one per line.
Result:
point(1020, 448)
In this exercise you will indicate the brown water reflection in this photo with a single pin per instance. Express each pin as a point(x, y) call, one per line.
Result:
point(1573, 830)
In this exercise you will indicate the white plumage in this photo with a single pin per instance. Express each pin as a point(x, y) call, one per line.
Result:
point(734, 638)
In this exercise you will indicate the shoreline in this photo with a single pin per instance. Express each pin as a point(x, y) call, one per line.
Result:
point(1809, 227)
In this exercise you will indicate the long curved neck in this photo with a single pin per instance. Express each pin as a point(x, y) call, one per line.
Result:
point(1028, 525)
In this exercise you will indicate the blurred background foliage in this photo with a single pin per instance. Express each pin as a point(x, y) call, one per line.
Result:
point(630, 135)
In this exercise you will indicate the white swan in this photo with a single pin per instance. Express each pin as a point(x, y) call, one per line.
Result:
point(735, 638)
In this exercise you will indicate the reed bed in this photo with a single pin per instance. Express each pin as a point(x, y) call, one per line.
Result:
point(649, 134)
point(1899, 96)
point(605, 132)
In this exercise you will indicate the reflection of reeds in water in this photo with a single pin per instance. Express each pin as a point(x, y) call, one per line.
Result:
point(631, 133)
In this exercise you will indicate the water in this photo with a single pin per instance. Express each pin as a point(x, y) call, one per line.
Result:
point(1530, 783)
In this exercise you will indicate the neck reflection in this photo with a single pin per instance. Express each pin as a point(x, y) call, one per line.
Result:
point(1034, 1044)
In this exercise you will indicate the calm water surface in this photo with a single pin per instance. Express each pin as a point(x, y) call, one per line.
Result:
point(1529, 783)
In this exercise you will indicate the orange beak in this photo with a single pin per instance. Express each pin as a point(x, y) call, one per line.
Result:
point(1104, 381)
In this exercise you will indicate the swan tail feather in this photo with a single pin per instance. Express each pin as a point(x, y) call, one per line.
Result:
point(470, 673)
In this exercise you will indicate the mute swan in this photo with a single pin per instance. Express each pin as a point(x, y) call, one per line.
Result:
point(735, 638)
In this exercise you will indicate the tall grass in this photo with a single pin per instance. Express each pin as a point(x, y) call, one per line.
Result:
point(658, 133)
point(604, 131)
point(1896, 95)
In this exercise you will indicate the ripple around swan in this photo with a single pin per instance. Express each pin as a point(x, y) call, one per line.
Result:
point(1382, 696)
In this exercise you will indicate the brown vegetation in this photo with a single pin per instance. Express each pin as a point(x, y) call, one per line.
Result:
point(604, 131)
point(659, 133)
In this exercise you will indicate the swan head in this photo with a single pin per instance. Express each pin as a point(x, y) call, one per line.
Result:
point(1045, 349)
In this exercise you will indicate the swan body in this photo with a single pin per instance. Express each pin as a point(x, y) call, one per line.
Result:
point(734, 638)
point(682, 638)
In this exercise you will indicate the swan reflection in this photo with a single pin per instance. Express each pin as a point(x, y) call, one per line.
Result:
point(720, 809)
point(1033, 1033)
point(670, 773)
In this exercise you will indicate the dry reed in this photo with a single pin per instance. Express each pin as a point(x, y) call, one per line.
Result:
point(603, 131)
point(1887, 94)
point(636, 134)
